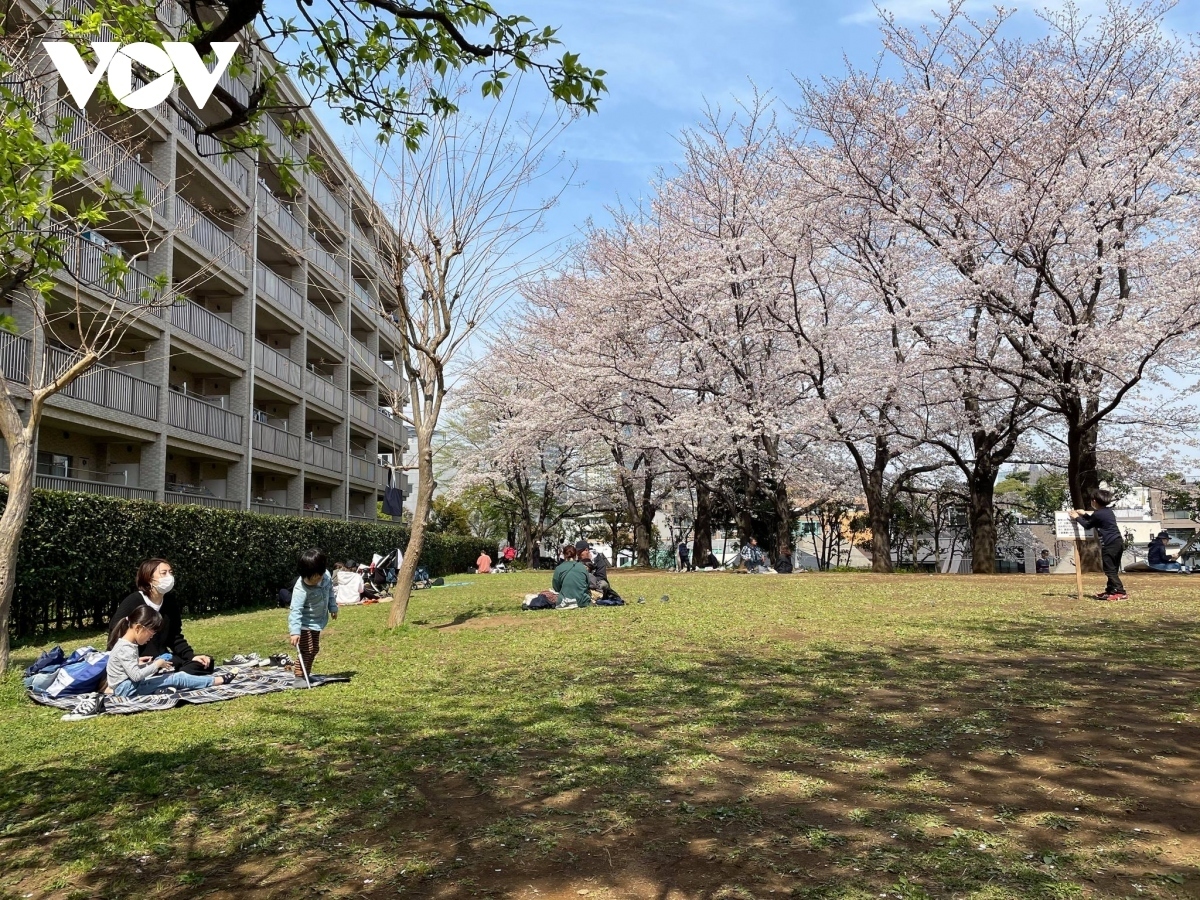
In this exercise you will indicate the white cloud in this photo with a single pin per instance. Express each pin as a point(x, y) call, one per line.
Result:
point(923, 10)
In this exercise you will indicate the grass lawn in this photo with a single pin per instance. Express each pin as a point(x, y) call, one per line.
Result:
point(810, 736)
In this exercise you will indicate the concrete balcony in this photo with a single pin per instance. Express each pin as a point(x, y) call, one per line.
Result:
point(362, 357)
point(332, 267)
point(278, 144)
point(14, 357)
point(322, 457)
point(81, 486)
point(319, 514)
point(214, 244)
point(271, 362)
point(208, 327)
point(276, 441)
point(324, 390)
point(202, 417)
point(279, 291)
point(226, 167)
point(325, 200)
point(325, 326)
point(362, 412)
point(362, 469)
point(106, 387)
point(186, 498)
point(110, 160)
point(279, 216)
point(91, 264)
point(271, 509)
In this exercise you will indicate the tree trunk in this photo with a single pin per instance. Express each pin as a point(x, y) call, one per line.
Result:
point(783, 518)
point(416, 537)
point(881, 539)
point(1083, 478)
point(981, 510)
point(645, 520)
point(12, 524)
point(702, 539)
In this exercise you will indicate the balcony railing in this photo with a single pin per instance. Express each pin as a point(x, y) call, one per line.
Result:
point(271, 509)
point(362, 298)
point(326, 326)
point(363, 412)
point(88, 262)
point(271, 209)
point(108, 159)
point(199, 416)
point(210, 238)
point(105, 386)
point(215, 154)
point(235, 86)
point(14, 357)
point(180, 498)
point(320, 514)
point(280, 291)
point(321, 456)
point(326, 261)
point(277, 142)
point(362, 469)
point(208, 327)
point(272, 362)
point(361, 356)
point(323, 389)
point(388, 376)
point(357, 518)
point(325, 200)
point(276, 441)
point(81, 486)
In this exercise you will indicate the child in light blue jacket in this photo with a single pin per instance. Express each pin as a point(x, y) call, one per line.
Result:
point(313, 605)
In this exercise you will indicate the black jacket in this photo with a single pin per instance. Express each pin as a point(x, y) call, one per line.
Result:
point(169, 638)
point(1158, 553)
point(1104, 520)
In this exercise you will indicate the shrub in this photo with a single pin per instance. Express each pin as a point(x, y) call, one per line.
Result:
point(79, 553)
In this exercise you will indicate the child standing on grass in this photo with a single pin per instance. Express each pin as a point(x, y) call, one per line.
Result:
point(1112, 544)
point(313, 605)
point(132, 676)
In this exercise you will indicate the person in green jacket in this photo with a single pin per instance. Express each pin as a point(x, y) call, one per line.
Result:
point(571, 581)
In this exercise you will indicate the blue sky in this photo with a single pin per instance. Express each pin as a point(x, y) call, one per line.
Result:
point(667, 58)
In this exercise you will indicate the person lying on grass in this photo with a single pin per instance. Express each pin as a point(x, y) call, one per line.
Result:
point(155, 581)
point(313, 605)
point(130, 675)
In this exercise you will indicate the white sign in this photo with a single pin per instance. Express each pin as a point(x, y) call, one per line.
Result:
point(1067, 529)
point(117, 61)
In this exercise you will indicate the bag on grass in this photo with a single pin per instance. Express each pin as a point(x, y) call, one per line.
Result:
point(544, 600)
point(82, 677)
point(49, 658)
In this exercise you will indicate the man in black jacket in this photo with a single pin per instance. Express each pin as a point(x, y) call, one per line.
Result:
point(1112, 542)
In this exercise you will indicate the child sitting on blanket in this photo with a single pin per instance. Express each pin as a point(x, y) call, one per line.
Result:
point(133, 676)
point(313, 605)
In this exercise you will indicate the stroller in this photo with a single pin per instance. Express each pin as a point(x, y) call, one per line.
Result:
point(382, 572)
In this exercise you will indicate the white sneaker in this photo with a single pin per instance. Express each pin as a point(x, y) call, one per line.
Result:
point(87, 708)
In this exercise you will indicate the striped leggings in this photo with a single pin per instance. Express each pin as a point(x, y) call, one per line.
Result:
point(310, 646)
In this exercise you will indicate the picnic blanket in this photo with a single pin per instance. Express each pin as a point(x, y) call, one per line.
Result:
point(256, 681)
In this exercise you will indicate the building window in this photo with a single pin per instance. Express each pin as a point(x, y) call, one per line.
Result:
point(56, 465)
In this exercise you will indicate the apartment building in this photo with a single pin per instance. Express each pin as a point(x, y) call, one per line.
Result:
point(267, 384)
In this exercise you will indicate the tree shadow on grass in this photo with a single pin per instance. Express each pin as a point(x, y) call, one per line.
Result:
point(1058, 757)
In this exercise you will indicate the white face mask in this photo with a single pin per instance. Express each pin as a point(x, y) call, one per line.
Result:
point(164, 584)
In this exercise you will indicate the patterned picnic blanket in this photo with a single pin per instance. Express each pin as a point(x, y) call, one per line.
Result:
point(255, 681)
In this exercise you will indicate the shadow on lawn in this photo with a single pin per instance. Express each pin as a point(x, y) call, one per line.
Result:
point(1060, 755)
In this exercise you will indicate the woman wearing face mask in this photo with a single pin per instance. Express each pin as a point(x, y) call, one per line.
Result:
point(155, 581)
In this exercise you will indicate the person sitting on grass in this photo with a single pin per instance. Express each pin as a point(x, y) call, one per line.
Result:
point(1112, 544)
point(313, 605)
point(483, 565)
point(596, 564)
point(1158, 559)
point(347, 583)
point(752, 557)
point(130, 675)
point(570, 581)
point(155, 581)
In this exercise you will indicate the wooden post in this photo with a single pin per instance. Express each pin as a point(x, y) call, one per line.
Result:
point(1079, 567)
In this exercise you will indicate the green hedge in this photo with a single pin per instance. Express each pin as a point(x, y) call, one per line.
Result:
point(79, 554)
